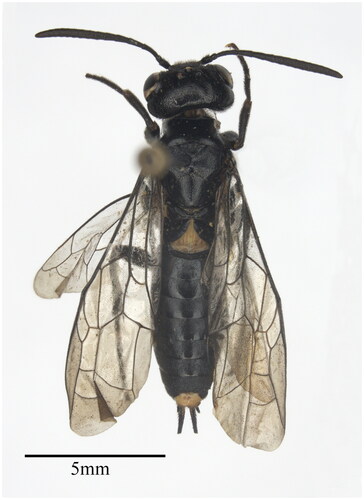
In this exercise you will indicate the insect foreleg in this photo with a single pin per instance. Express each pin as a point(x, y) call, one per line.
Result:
point(152, 131)
point(237, 140)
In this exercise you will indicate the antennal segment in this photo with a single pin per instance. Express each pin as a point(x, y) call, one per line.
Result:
point(99, 35)
point(285, 61)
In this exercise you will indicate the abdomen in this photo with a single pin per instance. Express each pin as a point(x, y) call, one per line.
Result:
point(181, 341)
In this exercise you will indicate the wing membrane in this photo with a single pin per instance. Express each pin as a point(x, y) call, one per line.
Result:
point(246, 326)
point(111, 341)
point(71, 266)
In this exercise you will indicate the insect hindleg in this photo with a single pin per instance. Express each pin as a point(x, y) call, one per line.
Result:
point(189, 400)
point(181, 411)
point(181, 417)
point(194, 419)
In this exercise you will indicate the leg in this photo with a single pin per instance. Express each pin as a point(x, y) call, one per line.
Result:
point(152, 129)
point(236, 141)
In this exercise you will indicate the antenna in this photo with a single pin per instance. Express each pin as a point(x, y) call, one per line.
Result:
point(286, 61)
point(99, 35)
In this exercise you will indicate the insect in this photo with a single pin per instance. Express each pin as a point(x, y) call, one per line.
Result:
point(177, 266)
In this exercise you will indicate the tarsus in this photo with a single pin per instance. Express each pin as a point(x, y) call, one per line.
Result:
point(181, 418)
point(181, 411)
point(194, 419)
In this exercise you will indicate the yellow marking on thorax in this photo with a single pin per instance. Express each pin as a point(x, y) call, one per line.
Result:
point(190, 241)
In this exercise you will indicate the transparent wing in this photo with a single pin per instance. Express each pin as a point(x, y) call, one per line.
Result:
point(246, 328)
point(111, 342)
point(71, 266)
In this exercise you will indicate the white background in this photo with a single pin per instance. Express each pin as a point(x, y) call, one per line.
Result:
point(69, 149)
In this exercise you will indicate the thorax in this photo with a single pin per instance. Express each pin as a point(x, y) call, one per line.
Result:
point(197, 159)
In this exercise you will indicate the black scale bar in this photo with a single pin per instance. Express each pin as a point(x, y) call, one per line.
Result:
point(94, 456)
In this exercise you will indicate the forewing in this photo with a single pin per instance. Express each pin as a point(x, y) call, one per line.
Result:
point(111, 342)
point(71, 266)
point(246, 327)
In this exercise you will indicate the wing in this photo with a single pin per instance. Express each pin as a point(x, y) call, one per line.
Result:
point(111, 342)
point(71, 266)
point(246, 327)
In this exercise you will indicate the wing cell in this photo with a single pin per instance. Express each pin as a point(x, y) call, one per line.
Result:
point(72, 265)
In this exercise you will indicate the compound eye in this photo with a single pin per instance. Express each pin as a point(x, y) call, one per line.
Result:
point(225, 75)
point(150, 85)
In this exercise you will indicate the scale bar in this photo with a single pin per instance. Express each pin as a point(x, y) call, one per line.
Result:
point(95, 456)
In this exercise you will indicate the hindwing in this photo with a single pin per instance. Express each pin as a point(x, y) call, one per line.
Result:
point(246, 327)
point(111, 342)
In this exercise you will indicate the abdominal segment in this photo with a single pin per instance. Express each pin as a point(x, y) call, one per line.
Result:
point(181, 337)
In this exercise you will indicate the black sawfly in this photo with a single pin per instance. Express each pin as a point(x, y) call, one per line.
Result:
point(177, 266)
